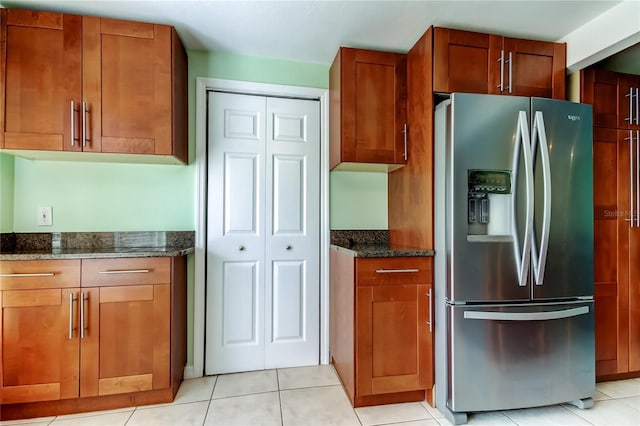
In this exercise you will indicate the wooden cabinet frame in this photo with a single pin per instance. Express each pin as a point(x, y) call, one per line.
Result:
point(132, 350)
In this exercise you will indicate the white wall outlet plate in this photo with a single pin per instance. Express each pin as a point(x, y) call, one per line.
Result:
point(44, 216)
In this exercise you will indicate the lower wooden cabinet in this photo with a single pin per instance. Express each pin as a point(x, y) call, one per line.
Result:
point(381, 335)
point(115, 337)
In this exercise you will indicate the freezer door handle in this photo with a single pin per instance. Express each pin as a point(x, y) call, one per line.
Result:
point(522, 251)
point(526, 316)
point(539, 258)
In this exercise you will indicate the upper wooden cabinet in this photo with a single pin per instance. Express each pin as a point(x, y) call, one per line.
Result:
point(74, 83)
point(367, 110)
point(473, 62)
point(615, 98)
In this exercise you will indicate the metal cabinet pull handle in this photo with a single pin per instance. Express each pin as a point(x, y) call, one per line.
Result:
point(510, 71)
point(289, 247)
point(501, 60)
point(126, 271)
point(637, 106)
point(84, 124)
point(631, 172)
point(638, 178)
point(241, 248)
point(430, 313)
point(395, 271)
point(45, 274)
point(73, 125)
point(83, 326)
point(406, 152)
point(71, 300)
point(630, 96)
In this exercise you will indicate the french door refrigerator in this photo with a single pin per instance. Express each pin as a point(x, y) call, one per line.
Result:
point(514, 254)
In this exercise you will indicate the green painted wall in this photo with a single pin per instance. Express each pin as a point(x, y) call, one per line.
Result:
point(103, 197)
point(6, 192)
point(358, 200)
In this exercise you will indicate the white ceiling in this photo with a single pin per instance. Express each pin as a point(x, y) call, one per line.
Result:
point(312, 30)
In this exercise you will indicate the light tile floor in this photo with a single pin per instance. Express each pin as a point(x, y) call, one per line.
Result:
point(308, 396)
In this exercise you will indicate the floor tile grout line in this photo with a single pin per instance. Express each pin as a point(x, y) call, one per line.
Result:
point(279, 398)
point(206, 414)
point(130, 415)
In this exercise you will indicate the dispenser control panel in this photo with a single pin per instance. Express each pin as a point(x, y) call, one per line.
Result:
point(489, 181)
point(489, 202)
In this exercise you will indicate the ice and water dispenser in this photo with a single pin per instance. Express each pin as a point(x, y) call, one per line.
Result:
point(489, 201)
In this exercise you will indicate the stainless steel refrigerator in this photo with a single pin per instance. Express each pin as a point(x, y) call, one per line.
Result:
point(514, 254)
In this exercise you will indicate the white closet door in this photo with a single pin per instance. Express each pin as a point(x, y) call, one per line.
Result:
point(292, 287)
point(235, 233)
point(262, 233)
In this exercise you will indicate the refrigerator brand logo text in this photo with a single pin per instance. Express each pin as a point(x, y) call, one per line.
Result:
point(574, 117)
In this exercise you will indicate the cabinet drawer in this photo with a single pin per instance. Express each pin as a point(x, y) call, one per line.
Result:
point(126, 271)
point(39, 274)
point(393, 270)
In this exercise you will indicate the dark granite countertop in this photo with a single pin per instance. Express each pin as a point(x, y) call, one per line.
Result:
point(382, 250)
point(95, 245)
point(96, 253)
point(371, 243)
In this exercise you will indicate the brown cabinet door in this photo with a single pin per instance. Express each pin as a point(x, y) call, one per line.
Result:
point(40, 346)
point(127, 86)
point(600, 89)
point(607, 218)
point(465, 61)
point(630, 296)
point(41, 77)
point(373, 97)
point(392, 349)
point(534, 68)
point(126, 343)
point(628, 101)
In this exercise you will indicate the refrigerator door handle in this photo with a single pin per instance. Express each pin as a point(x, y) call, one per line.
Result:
point(539, 258)
point(631, 175)
point(523, 144)
point(526, 316)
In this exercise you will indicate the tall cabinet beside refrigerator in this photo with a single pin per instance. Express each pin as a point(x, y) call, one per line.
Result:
point(514, 254)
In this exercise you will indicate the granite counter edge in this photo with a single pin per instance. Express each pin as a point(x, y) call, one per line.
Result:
point(69, 254)
point(377, 251)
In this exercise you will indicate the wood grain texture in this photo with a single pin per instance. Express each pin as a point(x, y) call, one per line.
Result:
point(367, 107)
point(535, 68)
point(41, 76)
point(367, 271)
point(115, 385)
point(410, 188)
point(92, 81)
point(342, 318)
point(627, 82)
point(78, 405)
point(66, 274)
point(32, 18)
point(465, 61)
point(3, 71)
point(599, 88)
point(180, 93)
point(389, 398)
point(159, 271)
point(127, 28)
point(90, 353)
point(634, 299)
point(178, 320)
point(335, 112)
point(40, 361)
point(623, 254)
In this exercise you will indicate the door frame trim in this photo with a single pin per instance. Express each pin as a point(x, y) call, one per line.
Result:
point(203, 85)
